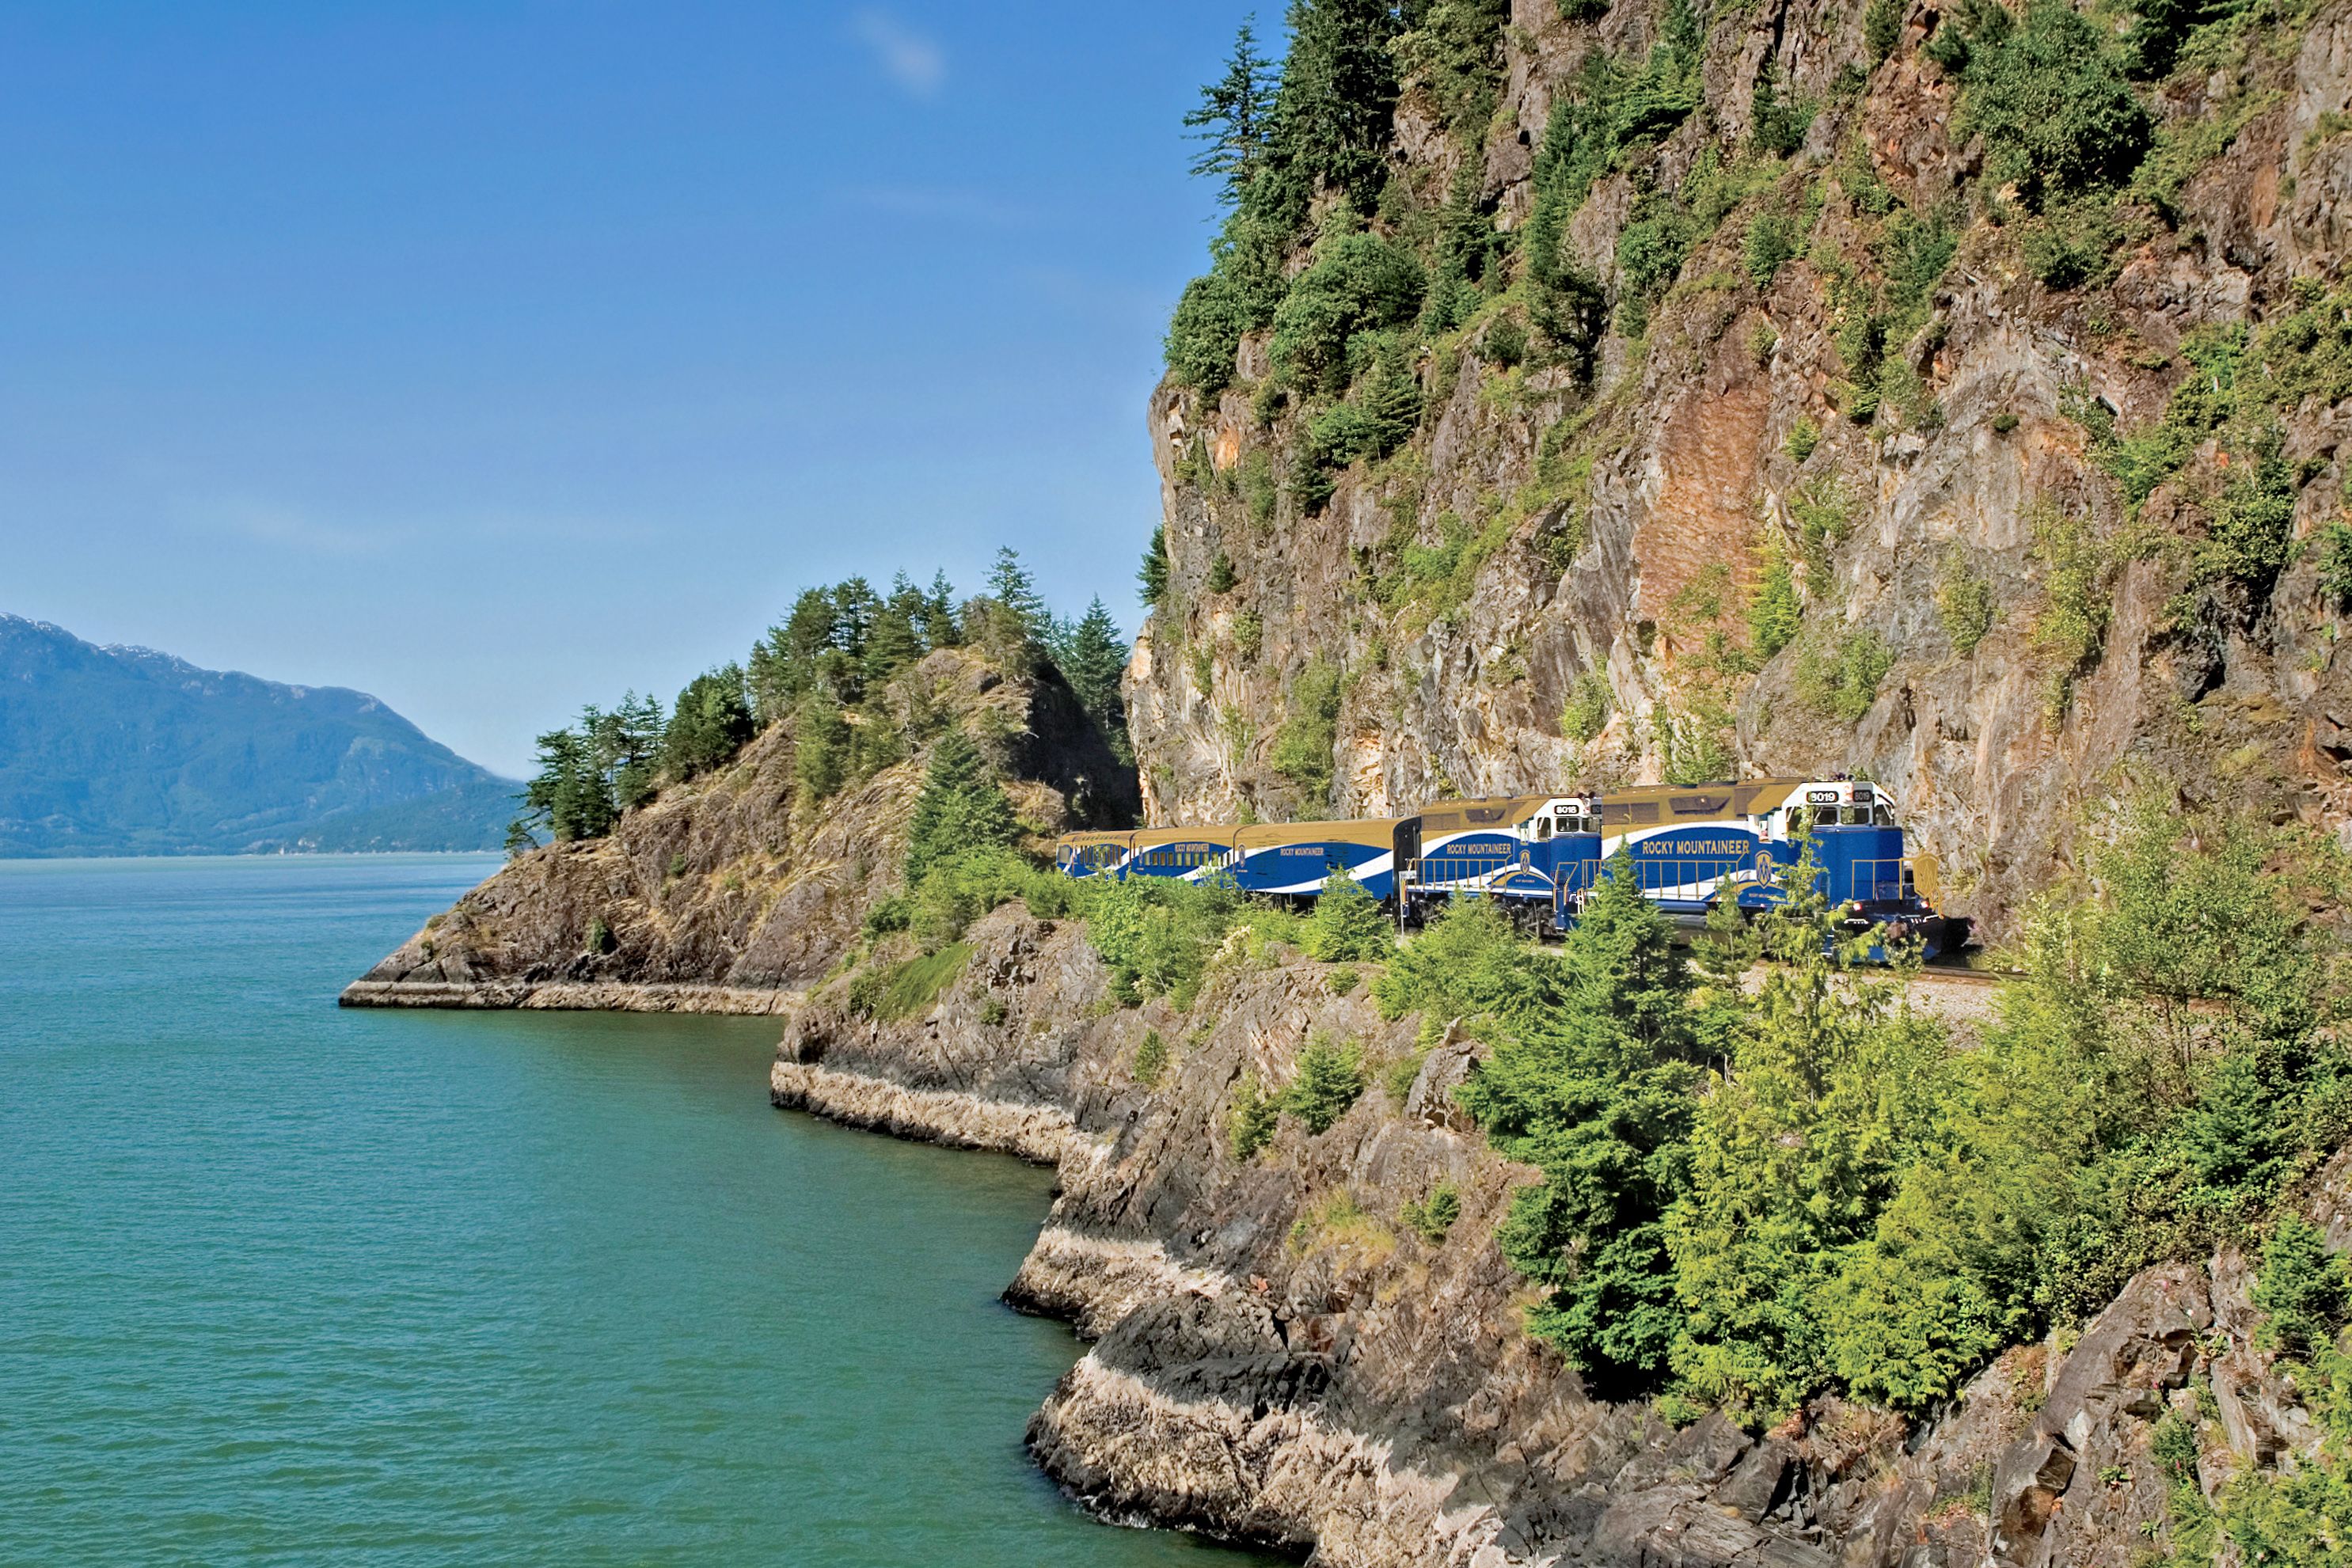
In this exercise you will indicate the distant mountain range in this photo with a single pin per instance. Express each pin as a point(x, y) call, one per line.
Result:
point(122, 751)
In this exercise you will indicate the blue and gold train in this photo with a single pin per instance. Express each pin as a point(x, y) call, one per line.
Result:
point(1691, 847)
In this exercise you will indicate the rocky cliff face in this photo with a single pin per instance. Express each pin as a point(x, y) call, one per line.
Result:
point(2002, 617)
point(1282, 1356)
point(723, 893)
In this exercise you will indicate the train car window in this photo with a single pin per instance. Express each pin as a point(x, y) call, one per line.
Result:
point(1857, 816)
point(1798, 819)
point(1881, 816)
point(1543, 828)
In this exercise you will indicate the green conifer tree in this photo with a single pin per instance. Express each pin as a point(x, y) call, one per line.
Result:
point(1093, 658)
point(1348, 926)
point(1338, 90)
point(1154, 576)
point(1593, 1086)
point(1010, 584)
point(941, 627)
point(1790, 1157)
point(708, 724)
point(1330, 1078)
point(1233, 116)
point(1773, 613)
point(895, 640)
point(568, 791)
point(961, 806)
point(820, 745)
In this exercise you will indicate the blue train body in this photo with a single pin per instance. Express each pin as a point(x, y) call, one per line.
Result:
point(1690, 846)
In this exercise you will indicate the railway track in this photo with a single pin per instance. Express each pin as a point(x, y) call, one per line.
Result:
point(1958, 974)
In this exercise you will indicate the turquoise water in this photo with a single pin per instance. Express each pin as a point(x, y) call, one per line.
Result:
point(284, 1283)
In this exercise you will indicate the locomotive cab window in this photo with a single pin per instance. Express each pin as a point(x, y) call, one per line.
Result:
point(1543, 828)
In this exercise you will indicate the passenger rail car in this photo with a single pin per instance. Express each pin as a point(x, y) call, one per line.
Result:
point(1691, 846)
point(1521, 849)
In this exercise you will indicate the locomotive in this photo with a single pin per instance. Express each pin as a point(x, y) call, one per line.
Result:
point(1542, 856)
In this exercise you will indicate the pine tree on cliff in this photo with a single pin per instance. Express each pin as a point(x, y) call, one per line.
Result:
point(710, 724)
point(961, 806)
point(1349, 923)
point(1593, 1084)
point(1092, 658)
point(568, 792)
point(1233, 116)
point(895, 640)
point(1338, 90)
point(1153, 575)
point(1013, 587)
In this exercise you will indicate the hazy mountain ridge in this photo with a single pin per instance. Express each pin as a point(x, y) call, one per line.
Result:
point(127, 750)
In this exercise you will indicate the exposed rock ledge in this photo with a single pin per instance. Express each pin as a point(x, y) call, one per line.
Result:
point(1281, 1359)
point(572, 996)
point(1040, 1134)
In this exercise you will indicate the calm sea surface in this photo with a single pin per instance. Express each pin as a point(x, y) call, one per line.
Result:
point(283, 1283)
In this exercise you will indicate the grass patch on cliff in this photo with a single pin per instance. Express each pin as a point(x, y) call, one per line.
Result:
point(910, 989)
point(1341, 1223)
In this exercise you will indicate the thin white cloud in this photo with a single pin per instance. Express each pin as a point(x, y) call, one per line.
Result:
point(284, 528)
point(942, 204)
point(913, 59)
point(302, 531)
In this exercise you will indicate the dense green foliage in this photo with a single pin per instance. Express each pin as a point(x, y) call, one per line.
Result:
point(2048, 96)
point(1964, 602)
point(1092, 656)
point(829, 668)
point(708, 725)
point(1330, 1078)
point(1303, 748)
point(1774, 613)
point(1348, 926)
point(1156, 934)
point(111, 751)
point(1338, 87)
point(1234, 117)
point(1752, 1198)
point(843, 640)
point(2334, 548)
point(1433, 1217)
point(1585, 713)
point(1252, 1118)
point(2297, 1513)
point(1839, 673)
point(910, 987)
point(1151, 1058)
point(1357, 285)
point(961, 806)
point(1151, 577)
point(2303, 1289)
point(1882, 28)
point(1594, 1086)
point(590, 773)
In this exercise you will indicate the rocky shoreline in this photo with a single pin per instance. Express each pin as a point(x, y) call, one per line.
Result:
point(571, 995)
point(1279, 1359)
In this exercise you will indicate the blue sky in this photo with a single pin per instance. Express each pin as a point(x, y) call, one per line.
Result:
point(493, 358)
